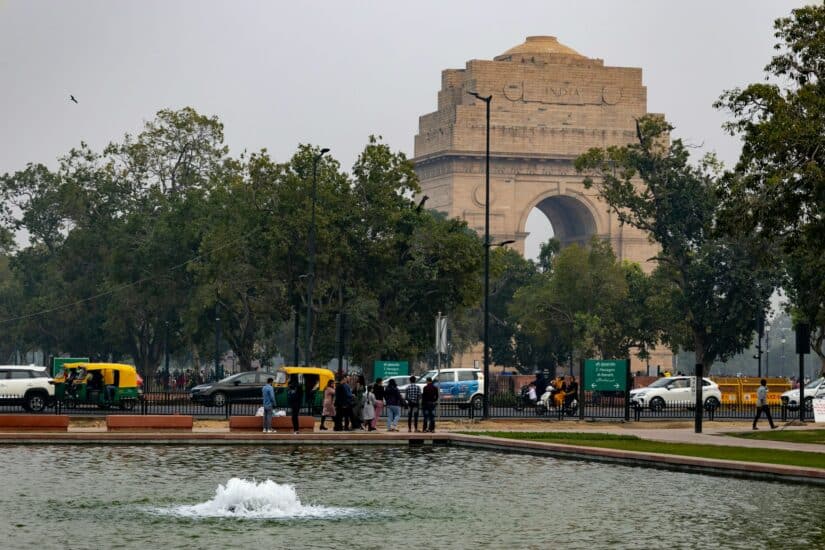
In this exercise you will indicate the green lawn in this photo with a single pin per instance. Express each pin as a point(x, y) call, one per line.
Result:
point(633, 443)
point(793, 436)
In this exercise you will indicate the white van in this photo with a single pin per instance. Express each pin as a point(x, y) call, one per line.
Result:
point(463, 386)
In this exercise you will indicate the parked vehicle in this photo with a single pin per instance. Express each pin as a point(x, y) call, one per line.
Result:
point(675, 391)
point(813, 390)
point(101, 384)
point(26, 385)
point(244, 386)
point(313, 382)
point(462, 386)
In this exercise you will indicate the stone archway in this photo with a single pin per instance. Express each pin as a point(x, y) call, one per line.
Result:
point(571, 219)
point(549, 104)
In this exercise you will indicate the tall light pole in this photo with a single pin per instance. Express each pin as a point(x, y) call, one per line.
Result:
point(311, 246)
point(486, 413)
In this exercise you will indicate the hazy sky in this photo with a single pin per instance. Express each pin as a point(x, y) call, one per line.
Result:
point(333, 72)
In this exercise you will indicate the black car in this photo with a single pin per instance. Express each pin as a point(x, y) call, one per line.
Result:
point(244, 386)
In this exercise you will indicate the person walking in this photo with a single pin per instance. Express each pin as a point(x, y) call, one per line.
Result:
point(762, 404)
point(293, 396)
point(393, 398)
point(268, 393)
point(328, 408)
point(378, 392)
point(368, 409)
point(413, 394)
point(429, 398)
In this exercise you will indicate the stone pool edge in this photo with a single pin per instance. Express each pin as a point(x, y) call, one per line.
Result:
point(727, 468)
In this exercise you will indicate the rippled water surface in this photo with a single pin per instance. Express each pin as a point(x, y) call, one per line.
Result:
point(373, 497)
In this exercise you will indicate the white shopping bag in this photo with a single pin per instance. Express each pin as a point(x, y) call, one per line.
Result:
point(259, 412)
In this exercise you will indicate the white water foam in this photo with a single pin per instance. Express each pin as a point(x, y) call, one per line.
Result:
point(241, 498)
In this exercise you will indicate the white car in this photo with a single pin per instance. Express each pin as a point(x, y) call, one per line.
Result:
point(675, 391)
point(813, 390)
point(27, 385)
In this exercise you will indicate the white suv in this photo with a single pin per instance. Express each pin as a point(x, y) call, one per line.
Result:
point(26, 385)
point(676, 391)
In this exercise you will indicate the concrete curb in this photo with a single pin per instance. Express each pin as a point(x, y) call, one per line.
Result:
point(727, 468)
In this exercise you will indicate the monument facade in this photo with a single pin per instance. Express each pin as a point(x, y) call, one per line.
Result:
point(549, 104)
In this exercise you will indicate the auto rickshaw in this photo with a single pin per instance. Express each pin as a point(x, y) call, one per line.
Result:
point(103, 384)
point(313, 381)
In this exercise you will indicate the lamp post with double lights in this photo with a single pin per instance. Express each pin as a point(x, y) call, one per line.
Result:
point(486, 100)
point(311, 254)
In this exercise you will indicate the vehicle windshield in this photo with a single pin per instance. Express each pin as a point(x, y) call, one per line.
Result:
point(429, 374)
point(660, 383)
point(815, 384)
point(280, 377)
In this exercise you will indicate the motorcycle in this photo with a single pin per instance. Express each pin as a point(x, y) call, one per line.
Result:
point(554, 400)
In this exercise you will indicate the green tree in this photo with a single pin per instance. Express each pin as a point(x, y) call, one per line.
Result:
point(719, 282)
point(779, 188)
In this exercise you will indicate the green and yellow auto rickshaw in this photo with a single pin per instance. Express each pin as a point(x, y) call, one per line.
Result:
point(105, 385)
point(312, 380)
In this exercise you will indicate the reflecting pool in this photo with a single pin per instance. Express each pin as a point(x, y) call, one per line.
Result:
point(167, 497)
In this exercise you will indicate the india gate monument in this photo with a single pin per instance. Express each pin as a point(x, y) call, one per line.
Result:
point(549, 104)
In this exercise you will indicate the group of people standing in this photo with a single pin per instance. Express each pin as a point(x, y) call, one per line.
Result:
point(354, 405)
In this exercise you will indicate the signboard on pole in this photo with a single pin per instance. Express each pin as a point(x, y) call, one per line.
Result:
point(605, 374)
point(58, 362)
point(441, 334)
point(385, 369)
point(819, 409)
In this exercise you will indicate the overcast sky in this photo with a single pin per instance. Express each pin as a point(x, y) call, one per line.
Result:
point(331, 73)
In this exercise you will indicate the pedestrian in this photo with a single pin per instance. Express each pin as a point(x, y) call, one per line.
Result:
point(368, 410)
point(342, 405)
point(429, 398)
point(392, 396)
point(293, 398)
point(762, 404)
point(358, 403)
point(328, 408)
point(540, 383)
point(378, 392)
point(268, 393)
point(412, 395)
point(571, 392)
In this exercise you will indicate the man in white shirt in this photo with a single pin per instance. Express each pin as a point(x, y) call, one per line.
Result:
point(762, 404)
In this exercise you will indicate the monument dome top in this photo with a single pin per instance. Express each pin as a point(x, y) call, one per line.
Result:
point(540, 45)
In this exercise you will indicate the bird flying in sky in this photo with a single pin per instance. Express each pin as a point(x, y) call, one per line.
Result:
point(71, 97)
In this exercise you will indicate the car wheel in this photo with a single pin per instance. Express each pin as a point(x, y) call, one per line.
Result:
point(711, 403)
point(657, 404)
point(219, 399)
point(70, 403)
point(477, 402)
point(127, 404)
point(809, 404)
point(36, 402)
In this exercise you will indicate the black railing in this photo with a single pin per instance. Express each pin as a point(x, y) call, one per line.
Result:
point(503, 405)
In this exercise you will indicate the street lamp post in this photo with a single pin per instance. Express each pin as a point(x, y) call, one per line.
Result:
point(486, 413)
point(311, 246)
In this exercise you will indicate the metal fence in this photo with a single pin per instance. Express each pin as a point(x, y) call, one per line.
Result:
point(503, 405)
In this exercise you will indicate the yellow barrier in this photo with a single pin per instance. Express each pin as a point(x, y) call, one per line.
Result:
point(731, 390)
point(776, 387)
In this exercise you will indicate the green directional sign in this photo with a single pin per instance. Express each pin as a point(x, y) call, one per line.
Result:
point(385, 369)
point(605, 374)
